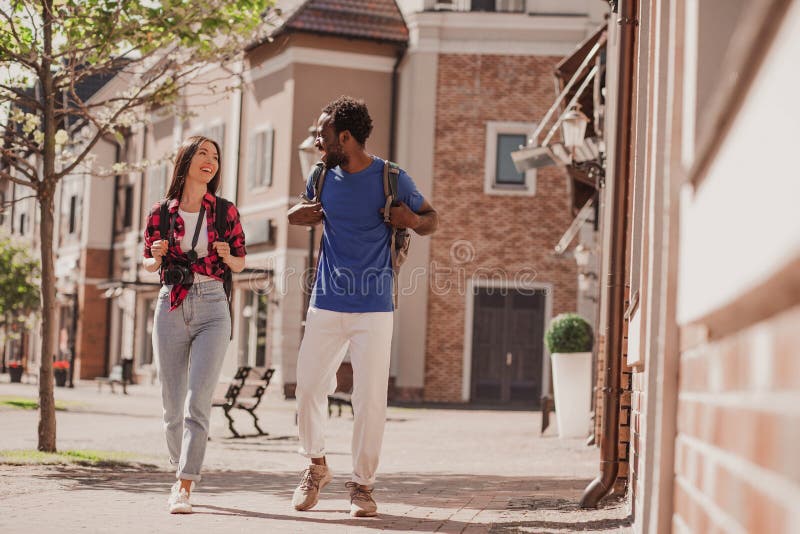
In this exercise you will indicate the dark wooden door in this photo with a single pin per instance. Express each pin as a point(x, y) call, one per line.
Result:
point(507, 346)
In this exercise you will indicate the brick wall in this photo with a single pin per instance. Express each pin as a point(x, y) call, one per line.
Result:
point(625, 412)
point(736, 458)
point(637, 442)
point(93, 322)
point(599, 384)
point(504, 232)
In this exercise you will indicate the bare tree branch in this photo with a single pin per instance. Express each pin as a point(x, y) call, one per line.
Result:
point(20, 163)
point(8, 176)
point(20, 94)
point(9, 203)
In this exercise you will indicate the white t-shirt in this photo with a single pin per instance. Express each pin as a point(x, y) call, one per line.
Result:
point(189, 225)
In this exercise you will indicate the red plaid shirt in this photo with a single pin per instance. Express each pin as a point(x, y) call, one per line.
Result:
point(210, 265)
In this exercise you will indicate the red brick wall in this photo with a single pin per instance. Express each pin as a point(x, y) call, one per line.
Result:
point(637, 442)
point(93, 322)
point(505, 232)
point(736, 457)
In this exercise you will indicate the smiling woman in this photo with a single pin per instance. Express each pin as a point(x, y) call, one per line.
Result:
point(196, 240)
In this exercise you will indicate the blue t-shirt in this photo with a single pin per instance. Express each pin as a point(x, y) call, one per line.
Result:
point(355, 267)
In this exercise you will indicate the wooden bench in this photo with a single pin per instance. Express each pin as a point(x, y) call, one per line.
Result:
point(343, 394)
point(339, 399)
point(245, 393)
point(120, 374)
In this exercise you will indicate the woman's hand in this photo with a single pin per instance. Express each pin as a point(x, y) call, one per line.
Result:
point(159, 249)
point(223, 250)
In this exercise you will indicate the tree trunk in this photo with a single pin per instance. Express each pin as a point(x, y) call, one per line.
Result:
point(47, 407)
point(46, 193)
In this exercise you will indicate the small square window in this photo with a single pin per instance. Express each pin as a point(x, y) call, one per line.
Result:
point(501, 177)
point(259, 172)
point(505, 173)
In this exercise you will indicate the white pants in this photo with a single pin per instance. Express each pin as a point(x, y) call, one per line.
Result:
point(321, 352)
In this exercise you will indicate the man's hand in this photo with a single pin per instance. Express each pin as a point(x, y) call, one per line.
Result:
point(305, 214)
point(423, 222)
point(401, 216)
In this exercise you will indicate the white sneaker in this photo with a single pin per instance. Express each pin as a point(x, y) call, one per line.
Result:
point(179, 500)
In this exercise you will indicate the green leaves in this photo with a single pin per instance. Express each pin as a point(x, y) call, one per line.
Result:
point(19, 280)
point(569, 332)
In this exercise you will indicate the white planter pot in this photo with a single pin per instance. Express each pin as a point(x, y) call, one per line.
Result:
point(572, 384)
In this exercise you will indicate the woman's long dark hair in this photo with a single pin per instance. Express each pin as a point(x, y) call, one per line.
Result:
point(182, 162)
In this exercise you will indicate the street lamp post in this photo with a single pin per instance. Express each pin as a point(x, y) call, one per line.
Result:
point(573, 127)
point(308, 158)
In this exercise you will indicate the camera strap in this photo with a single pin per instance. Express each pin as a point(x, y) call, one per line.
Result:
point(197, 227)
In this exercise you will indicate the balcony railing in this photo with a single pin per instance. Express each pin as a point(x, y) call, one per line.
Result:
point(568, 8)
point(499, 6)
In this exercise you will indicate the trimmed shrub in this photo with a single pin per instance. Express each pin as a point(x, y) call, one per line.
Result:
point(569, 332)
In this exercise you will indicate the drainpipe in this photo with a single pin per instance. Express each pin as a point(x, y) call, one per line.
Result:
point(609, 456)
point(393, 113)
point(242, 140)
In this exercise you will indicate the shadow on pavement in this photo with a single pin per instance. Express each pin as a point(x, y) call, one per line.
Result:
point(436, 490)
point(504, 495)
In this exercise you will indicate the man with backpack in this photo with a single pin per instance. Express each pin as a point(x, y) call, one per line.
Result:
point(365, 204)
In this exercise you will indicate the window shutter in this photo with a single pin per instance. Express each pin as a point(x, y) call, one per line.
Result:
point(252, 159)
point(269, 136)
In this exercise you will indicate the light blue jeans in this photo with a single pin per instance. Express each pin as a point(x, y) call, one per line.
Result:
point(189, 344)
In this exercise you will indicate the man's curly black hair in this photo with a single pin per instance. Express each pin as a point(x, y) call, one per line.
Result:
point(352, 115)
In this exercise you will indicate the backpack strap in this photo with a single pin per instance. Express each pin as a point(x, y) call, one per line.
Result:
point(221, 217)
point(318, 180)
point(164, 230)
point(391, 173)
point(163, 221)
point(221, 227)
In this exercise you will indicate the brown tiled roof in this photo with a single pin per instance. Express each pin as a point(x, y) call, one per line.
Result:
point(375, 20)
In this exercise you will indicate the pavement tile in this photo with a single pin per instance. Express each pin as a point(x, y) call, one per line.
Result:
point(442, 470)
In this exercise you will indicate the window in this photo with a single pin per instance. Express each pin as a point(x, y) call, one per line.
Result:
point(73, 207)
point(254, 350)
point(2, 208)
point(127, 213)
point(214, 131)
point(259, 231)
point(259, 167)
point(22, 219)
point(501, 177)
point(146, 357)
point(505, 173)
point(157, 184)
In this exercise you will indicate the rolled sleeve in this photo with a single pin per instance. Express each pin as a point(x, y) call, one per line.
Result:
point(152, 232)
point(236, 237)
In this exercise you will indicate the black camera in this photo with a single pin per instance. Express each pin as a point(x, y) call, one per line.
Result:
point(178, 274)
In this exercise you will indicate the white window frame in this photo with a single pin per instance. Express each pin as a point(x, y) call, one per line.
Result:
point(157, 174)
point(490, 187)
point(266, 154)
point(206, 130)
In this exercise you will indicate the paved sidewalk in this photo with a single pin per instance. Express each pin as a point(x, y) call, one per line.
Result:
point(471, 471)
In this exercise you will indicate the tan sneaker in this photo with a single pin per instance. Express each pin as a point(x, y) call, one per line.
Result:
point(361, 502)
point(313, 479)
